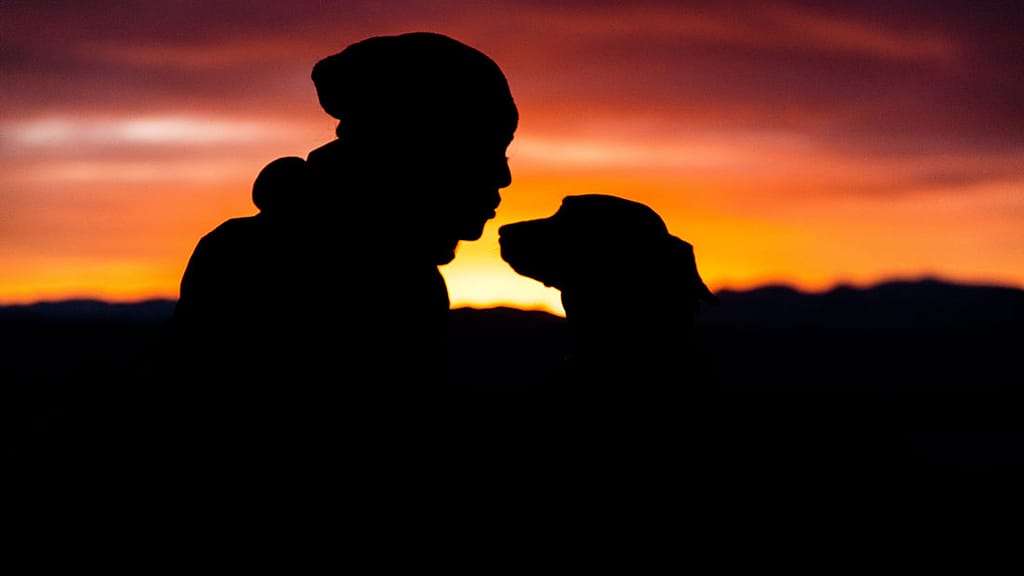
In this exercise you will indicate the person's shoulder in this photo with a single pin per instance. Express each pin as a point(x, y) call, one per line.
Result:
point(233, 226)
point(231, 232)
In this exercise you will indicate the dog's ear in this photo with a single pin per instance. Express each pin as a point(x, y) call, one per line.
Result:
point(685, 266)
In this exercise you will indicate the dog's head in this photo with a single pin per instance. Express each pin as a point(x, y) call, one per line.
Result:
point(604, 244)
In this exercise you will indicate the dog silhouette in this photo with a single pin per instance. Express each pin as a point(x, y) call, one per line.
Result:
point(633, 379)
point(630, 289)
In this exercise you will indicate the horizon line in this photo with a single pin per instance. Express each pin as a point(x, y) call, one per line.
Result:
point(840, 285)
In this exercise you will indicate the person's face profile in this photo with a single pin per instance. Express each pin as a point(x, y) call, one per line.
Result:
point(465, 172)
point(455, 182)
point(426, 122)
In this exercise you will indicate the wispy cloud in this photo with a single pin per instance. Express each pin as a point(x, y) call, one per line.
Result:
point(151, 130)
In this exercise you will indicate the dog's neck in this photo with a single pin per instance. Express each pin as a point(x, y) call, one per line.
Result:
point(609, 333)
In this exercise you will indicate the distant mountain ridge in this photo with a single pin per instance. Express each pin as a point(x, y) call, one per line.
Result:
point(86, 308)
point(891, 304)
point(895, 304)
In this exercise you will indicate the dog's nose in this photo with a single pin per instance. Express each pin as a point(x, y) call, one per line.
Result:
point(507, 236)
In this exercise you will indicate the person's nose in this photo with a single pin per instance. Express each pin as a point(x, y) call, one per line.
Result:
point(504, 174)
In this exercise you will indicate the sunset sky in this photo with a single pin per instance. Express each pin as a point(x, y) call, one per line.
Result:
point(803, 143)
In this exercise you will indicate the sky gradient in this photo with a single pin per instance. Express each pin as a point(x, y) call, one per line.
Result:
point(802, 143)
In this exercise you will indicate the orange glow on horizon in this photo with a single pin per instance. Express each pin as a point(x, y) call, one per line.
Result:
point(742, 239)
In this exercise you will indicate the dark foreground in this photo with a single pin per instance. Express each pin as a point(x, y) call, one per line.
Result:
point(902, 374)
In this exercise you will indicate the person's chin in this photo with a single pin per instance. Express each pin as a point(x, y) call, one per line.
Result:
point(472, 233)
point(443, 254)
point(442, 257)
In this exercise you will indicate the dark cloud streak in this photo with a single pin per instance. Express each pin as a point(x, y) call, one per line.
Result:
point(903, 77)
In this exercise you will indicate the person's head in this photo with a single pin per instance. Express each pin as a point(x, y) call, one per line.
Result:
point(426, 121)
point(280, 186)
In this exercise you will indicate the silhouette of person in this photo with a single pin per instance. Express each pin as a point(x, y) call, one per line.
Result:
point(325, 316)
point(424, 124)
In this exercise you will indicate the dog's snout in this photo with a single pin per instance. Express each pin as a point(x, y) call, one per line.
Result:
point(508, 231)
point(506, 238)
